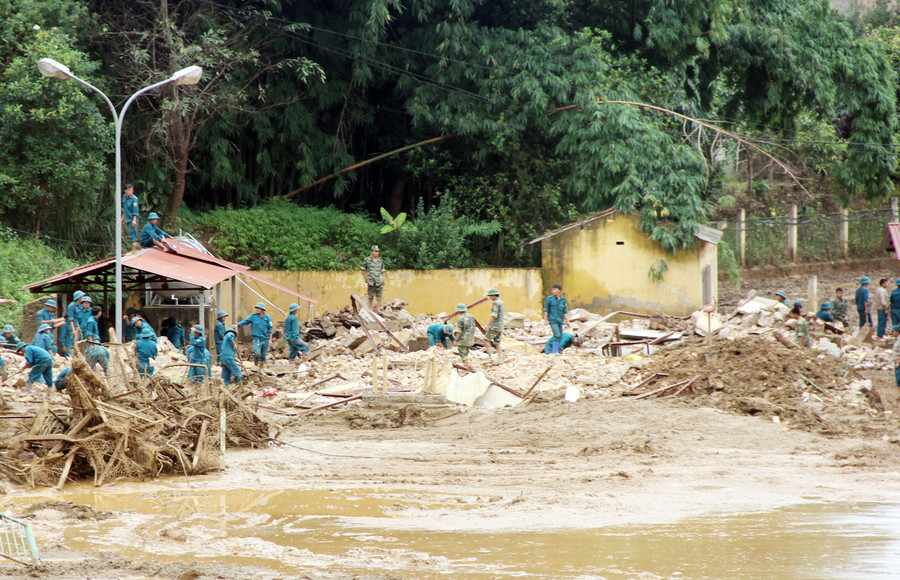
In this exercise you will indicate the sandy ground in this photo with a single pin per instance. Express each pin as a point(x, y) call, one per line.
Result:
point(604, 460)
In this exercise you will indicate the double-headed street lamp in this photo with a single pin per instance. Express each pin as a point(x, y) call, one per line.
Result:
point(186, 76)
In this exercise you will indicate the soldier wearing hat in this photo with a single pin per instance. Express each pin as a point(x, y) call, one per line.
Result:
point(862, 302)
point(146, 348)
point(465, 331)
point(373, 275)
point(39, 361)
point(219, 333)
point(76, 312)
point(292, 334)
point(494, 331)
point(44, 339)
point(198, 355)
point(441, 334)
point(261, 331)
point(230, 369)
point(781, 297)
point(824, 313)
point(568, 339)
point(151, 235)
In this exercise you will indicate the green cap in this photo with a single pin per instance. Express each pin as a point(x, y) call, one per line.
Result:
point(461, 307)
point(493, 292)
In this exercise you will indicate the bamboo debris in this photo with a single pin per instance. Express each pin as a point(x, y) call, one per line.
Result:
point(171, 428)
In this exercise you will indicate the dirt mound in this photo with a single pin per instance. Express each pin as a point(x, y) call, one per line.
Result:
point(379, 416)
point(757, 375)
point(71, 510)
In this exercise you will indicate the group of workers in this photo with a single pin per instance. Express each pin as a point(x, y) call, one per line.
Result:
point(80, 324)
point(463, 335)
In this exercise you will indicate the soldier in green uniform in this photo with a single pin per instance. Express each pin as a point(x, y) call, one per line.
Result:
point(802, 332)
point(839, 307)
point(494, 331)
point(373, 274)
point(895, 354)
point(465, 331)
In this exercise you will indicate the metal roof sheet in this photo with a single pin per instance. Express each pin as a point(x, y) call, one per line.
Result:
point(704, 233)
point(178, 267)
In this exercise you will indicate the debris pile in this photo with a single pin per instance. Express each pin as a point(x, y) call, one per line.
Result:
point(757, 375)
point(156, 427)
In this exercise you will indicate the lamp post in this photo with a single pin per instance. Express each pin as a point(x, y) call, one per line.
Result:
point(186, 76)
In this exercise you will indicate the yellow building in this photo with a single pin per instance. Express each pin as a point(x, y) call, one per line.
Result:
point(605, 263)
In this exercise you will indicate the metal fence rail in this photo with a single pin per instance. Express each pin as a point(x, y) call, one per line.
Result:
point(17, 542)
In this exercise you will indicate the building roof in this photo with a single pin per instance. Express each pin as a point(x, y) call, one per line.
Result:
point(704, 233)
point(894, 231)
point(197, 270)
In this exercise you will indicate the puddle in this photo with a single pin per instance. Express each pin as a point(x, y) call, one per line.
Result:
point(362, 531)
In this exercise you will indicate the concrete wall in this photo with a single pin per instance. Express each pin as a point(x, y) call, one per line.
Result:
point(425, 291)
point(604, 266)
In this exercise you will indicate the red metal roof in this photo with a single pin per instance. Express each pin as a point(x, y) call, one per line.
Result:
point(177, 267)
point(183, 250)
point(894, 230)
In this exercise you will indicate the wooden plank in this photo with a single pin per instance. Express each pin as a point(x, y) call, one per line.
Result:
point(329, 405)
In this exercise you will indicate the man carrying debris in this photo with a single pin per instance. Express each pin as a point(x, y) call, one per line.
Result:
point(824, 313)
point(441, 334)
point(801, 333)
point(555, 309)
point(494, 331)
point(198, 355)
point(895, 353)
point(296, 345)
point(568, 339)
point(839, 307)
point(465, 332)
point(230, 369)
point(97, 354)
point(881, 305)
point(219, 333)
point(261, 331)
point(145, 349)
point(40, 361)
point(373, 275)
point(862, 302)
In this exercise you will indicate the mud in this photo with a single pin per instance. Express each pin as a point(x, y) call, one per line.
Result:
point(414, 490)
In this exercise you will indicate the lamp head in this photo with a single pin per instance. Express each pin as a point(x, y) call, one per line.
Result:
point(188, 76)
point(52, 69)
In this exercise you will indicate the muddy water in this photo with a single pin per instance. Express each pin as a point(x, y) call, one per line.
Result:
point(366, 531)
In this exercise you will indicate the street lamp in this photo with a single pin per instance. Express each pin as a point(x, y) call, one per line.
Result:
point(186, 76)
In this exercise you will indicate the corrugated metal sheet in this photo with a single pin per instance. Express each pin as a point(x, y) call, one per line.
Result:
point(180, 268)
point(188, 252)
point(704, 233)
point(894, 230)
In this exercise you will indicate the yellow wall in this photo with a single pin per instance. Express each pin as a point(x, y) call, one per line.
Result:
point(604, 266)
point(425, 291)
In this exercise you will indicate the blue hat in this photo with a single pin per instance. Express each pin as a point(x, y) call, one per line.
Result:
point(231, 330)
point(87, 299)
point(78, 294)
point(9, 328)
point(44, 327)
point(51, 303)
point(782, 294)
point(864, 280)
point(448, 328)
point(20, 346)
point(798, 304)
point(197, 328)
point(293, 306)
point(152, 216)
point(896, 328)
point(147, 332)
point(260, 305)
point(221, 314)
point(826, 306)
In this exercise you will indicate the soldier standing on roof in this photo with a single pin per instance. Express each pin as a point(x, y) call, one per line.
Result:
point(373, 274)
